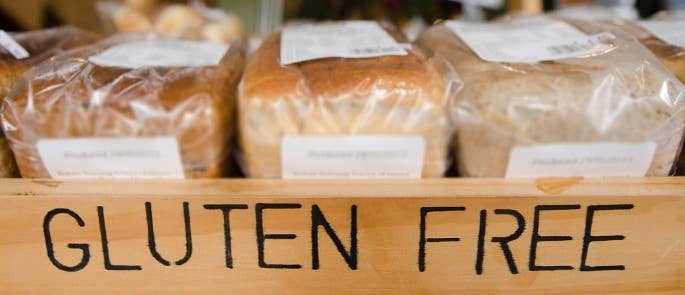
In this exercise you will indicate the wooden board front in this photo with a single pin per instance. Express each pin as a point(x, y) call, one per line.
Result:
point(449, 236)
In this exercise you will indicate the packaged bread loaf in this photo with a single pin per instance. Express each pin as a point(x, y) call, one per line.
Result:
point(546, 97)
point(131, 106)
point(18, 53)
point(344, 100)
point(663, 36)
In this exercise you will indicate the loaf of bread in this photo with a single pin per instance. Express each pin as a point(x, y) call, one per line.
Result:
point(386, 95)
point(71, 97)
point(671, 55)
point(40, 45)
point(619, 95)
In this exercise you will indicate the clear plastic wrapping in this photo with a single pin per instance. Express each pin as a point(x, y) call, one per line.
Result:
point(620, 95)
point(71, 97)
point(388, 95)
point(671, 55)
point(40, 45)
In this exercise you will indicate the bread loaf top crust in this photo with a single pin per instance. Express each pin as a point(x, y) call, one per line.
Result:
point(328, 78)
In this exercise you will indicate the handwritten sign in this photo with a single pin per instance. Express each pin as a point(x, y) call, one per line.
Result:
point(180, 237)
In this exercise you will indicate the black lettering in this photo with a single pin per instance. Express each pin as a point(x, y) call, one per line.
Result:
point(319, 220)
point(226, 209)
point(105, 246)
point(504, 241)
point(536, 238)
point(480, 253)
point(261, 237)
point(422, 232)
point(152, 245)
point(50, 248)
point(589, 238)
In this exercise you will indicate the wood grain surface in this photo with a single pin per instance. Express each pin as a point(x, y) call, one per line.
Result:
point(548, 236)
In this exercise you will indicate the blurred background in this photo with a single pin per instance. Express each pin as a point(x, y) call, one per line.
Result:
point(260, 16)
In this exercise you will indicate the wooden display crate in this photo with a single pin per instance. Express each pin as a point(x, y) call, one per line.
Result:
point(240, 236)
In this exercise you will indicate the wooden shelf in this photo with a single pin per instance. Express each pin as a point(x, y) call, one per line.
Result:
point(443, 187)
point(422, 236)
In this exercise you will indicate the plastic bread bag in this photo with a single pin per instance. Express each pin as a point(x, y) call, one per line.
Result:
point(544, 97)
point(664, 36)
point(193, 21)
point(668, 26)
point(131, 106)
point(344, 100)
point(18, 53)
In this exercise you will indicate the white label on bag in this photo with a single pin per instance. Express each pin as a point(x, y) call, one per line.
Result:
point(14, 48)
point(493, 4)
point(350, 39)
point(529, 40)
point(119, 158)
point(161, 53)
point(352, 157)
point(671, 31)
point(581, 160)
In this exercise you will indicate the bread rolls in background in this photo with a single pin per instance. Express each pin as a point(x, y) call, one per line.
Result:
point(71, 97)
point(128, 20)
point(40, 45)
point(187, 21)
point(179, 20)
point(621, 95)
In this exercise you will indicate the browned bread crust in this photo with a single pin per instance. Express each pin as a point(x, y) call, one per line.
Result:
point(266, 78)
